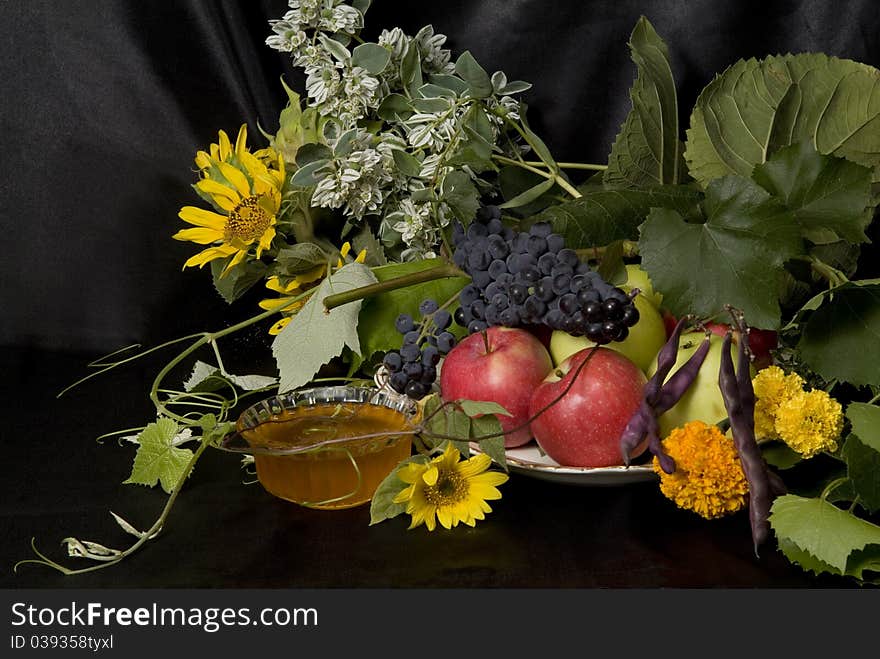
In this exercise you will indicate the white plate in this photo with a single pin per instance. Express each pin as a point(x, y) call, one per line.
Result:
point(530, 461)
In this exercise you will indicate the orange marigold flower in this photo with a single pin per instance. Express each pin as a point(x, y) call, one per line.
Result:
point(708, 477)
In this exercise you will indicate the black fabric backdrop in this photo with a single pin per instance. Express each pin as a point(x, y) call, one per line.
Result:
point(106, 101)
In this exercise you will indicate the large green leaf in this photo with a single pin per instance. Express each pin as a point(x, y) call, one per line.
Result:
point(841, 339)
point(647, 149)
point(601, 217)
point(830, 197)
point(865, 420)
point(755, 107)
point(315, 336)
point(821, 530)
point(238, 279)
point(158, 459)
point(376, 321)
point(863, 470)
point(735, 257)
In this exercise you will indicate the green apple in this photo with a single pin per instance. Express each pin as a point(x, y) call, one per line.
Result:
point(702, 401)
point(641, 346)
point(636, 277)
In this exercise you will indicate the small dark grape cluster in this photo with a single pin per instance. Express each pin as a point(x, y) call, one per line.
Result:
point(531, 278)
point(413, 368)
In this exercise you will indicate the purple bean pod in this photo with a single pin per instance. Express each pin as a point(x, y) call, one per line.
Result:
point(677, 385)
point(736, 401)
point(643, 423)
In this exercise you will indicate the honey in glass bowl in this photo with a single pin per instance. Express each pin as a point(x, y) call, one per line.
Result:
point(329, 447)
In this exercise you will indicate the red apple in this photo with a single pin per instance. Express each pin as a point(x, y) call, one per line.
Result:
point(583, 428)
point(503, 365)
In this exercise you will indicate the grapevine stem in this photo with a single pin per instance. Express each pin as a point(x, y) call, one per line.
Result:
point(570, 165)
point(438, 272)
point(833, 485)
point(874, 399)
point(147, 535)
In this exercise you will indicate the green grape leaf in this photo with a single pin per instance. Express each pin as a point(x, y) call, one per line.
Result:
point(314, 336)
point(865, 420)
point(461, 195)
point(841, 338)
point(825, 532)
point(492, 446)
point(158, 460)
point(446, 422)
point(735, 258)
point(478, 408)
point(779, 455)
point(376, 319)
point(756, 107)
point(601, 217)
point(300, 257)
point(206, 377)
point(647, 148)
point(238, 279)
point(804, 559)
point(382, 504)
point(863, 469)
point(830, 197)
point(366, 240)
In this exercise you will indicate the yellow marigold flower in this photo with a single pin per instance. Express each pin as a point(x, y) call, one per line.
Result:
point(810, 422)
point(708, 477)
point(245, 190)
point(450, 489)
point(772, 386)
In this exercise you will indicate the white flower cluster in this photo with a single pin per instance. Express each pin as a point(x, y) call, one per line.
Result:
point(364, 177)
point(333, 16)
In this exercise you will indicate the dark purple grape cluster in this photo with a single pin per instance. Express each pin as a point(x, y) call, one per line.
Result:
point(413, 369)
point(532, 278)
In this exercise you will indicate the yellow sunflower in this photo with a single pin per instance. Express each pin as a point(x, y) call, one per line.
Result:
point(449, 489)
point(245, 190)
point(286, 303)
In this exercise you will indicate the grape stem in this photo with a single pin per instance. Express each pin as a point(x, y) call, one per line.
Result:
point(442, 271)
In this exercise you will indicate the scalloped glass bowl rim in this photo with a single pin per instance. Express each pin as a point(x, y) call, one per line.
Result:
point(265, 410)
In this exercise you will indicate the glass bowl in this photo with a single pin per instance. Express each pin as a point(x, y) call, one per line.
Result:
point(326, 447)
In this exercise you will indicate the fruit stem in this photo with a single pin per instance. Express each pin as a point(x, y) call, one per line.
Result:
point(438, 272)
point(486, 341)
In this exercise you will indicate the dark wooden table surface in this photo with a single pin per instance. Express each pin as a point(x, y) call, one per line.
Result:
point(222, 533)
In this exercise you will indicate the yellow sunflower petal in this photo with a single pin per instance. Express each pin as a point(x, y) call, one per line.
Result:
point(202, 218)
point(238, 258)
point(207, 255)
point(200, 235)
point(203, 160)
point(236, 178)
point(217, 189)
point(280, 325)
point(444, 516)
point(475, 465)
point(265, 240)
point(241, 140)
point(431, 475)
point(223, 145)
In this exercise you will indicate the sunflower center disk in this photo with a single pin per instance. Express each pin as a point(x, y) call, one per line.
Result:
point(450, 488)
point(247, 221)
